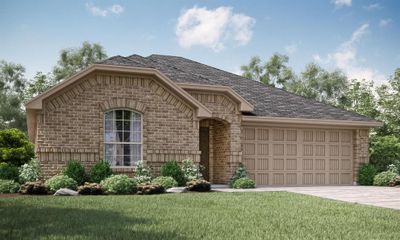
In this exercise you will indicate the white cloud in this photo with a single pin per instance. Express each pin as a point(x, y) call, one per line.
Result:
point(213, 28)
point(341, 3)
point(291, 48)
point(385, 22)
point(372, 7)
point(345, 58)
point(97, 11)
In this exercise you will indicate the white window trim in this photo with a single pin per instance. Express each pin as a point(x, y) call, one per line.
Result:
point(130, 143)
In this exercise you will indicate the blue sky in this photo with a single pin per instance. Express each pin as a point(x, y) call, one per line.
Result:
point(361, 37)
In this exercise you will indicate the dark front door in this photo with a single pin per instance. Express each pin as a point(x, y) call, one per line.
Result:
point(205, 151)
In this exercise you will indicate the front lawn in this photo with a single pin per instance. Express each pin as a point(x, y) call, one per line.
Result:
point(269, 215)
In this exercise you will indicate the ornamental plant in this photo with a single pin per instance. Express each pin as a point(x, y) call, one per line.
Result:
point(15, 148)
point(61, 181)
point(366, 174)
point(100, 171)
point(240, 172)
point(172, 169)
point(76, 171)
point(29, 172)
point(191, 171)
point(142, 173)
point(244, 183)
point(119, 184)
point(166, 182)
point(8, 186)
point(8, 171)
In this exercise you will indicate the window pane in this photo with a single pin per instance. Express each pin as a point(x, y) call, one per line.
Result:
point(136, 116)
point(127, 137)
point(109, 125)
point(127, 160)
point(119, 149)
point(136, 152)
point(109, 115)
point(127, 115)
point(127, 126)
point(109, 137)
point(137, 137)
point(136, 126)
point(109, 159)
point(109, 149)
point(118, 114)
point(119, 125)
point(119, 160)
point(119, 136)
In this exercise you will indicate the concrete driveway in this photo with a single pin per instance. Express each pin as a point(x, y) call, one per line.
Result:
point(387, 197)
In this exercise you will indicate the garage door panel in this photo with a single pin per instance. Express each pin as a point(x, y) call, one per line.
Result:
point(287, 156)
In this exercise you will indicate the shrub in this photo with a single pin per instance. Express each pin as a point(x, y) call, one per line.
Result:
point(366, 174)
point(119, 184)
point(198, 185)
point(384, 151)
point(76, 171)
point(8, 171)
point(166, 182)
point(90, 189)
point(100, 171)
point(36, 188)
point(384, 178)
point(61, 181)
point(29, 172)
point(244, 182)
point(191, 171)
point(172, 169)
point(395, 181)
point(8, 186)
point(240, 172)
point(150, 188)
point(15, 147)
point(142, 173)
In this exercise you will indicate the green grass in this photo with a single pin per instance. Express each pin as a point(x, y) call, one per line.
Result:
point(272, 215)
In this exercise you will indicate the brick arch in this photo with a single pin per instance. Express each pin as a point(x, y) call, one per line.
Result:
point(123, 103)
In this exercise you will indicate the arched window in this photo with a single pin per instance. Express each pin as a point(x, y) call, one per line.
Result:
point(122, 137)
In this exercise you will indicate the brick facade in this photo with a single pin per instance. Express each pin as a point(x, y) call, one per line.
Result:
point(360, 149)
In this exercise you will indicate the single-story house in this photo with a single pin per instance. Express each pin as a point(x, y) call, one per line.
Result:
point(160, 108)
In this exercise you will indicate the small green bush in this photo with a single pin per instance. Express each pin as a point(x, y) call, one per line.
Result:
point(384, 178)
point(15, 147)
point(149, 188)
point(8, 171)
point(76, 171)
point(33, 188)
point(61, 181)
point(29, 172)
point(166, 182)
point(191, 171)
point(8, 186)
point(119, 184)
point(366, 174)
point(240, 172)
point(142, 173)
point(244, 182)
point(100, 171)
point(172, 169)
point(384, 150)
point(90, 189)
point(198, 185)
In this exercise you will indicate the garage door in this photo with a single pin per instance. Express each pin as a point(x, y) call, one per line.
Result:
point(285, 156)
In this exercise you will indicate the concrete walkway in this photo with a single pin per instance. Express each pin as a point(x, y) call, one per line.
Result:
point(387, 197)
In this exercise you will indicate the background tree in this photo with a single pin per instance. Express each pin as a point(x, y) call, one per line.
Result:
point(40, 83)
point(12, 84)
point(274, 72)
point(75, 59)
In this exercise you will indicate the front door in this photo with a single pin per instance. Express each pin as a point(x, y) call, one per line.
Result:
point(204, 148)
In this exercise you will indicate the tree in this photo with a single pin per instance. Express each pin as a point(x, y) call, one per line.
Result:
point(12, 84)
point(320, 84)
point(75, 59)
point(40, 83)
point(275, 72)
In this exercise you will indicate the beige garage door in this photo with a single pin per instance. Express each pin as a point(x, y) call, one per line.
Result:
point(286, 156)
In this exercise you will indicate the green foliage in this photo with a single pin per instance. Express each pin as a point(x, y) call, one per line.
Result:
point(73, 60)
point(172, 169)
point(100, 171)
point(8, 171)
point(384, 151)
point(244, 183)
point(40, 83)
point(33, 188)
point(240, 172)
point(366, 174)
point(8, 186)
point(15, 148)
point(198, 185)
point(395, 182)
point(119, 184)
point(29, 172)
point(90, 189)
point(166, 182)
point(142, 173)
point(190, 170)
point(76, 171)
point(384, 178)
point(61, 181)
point(149, 188)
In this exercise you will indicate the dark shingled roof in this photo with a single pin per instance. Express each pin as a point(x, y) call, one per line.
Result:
point(267, 100)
